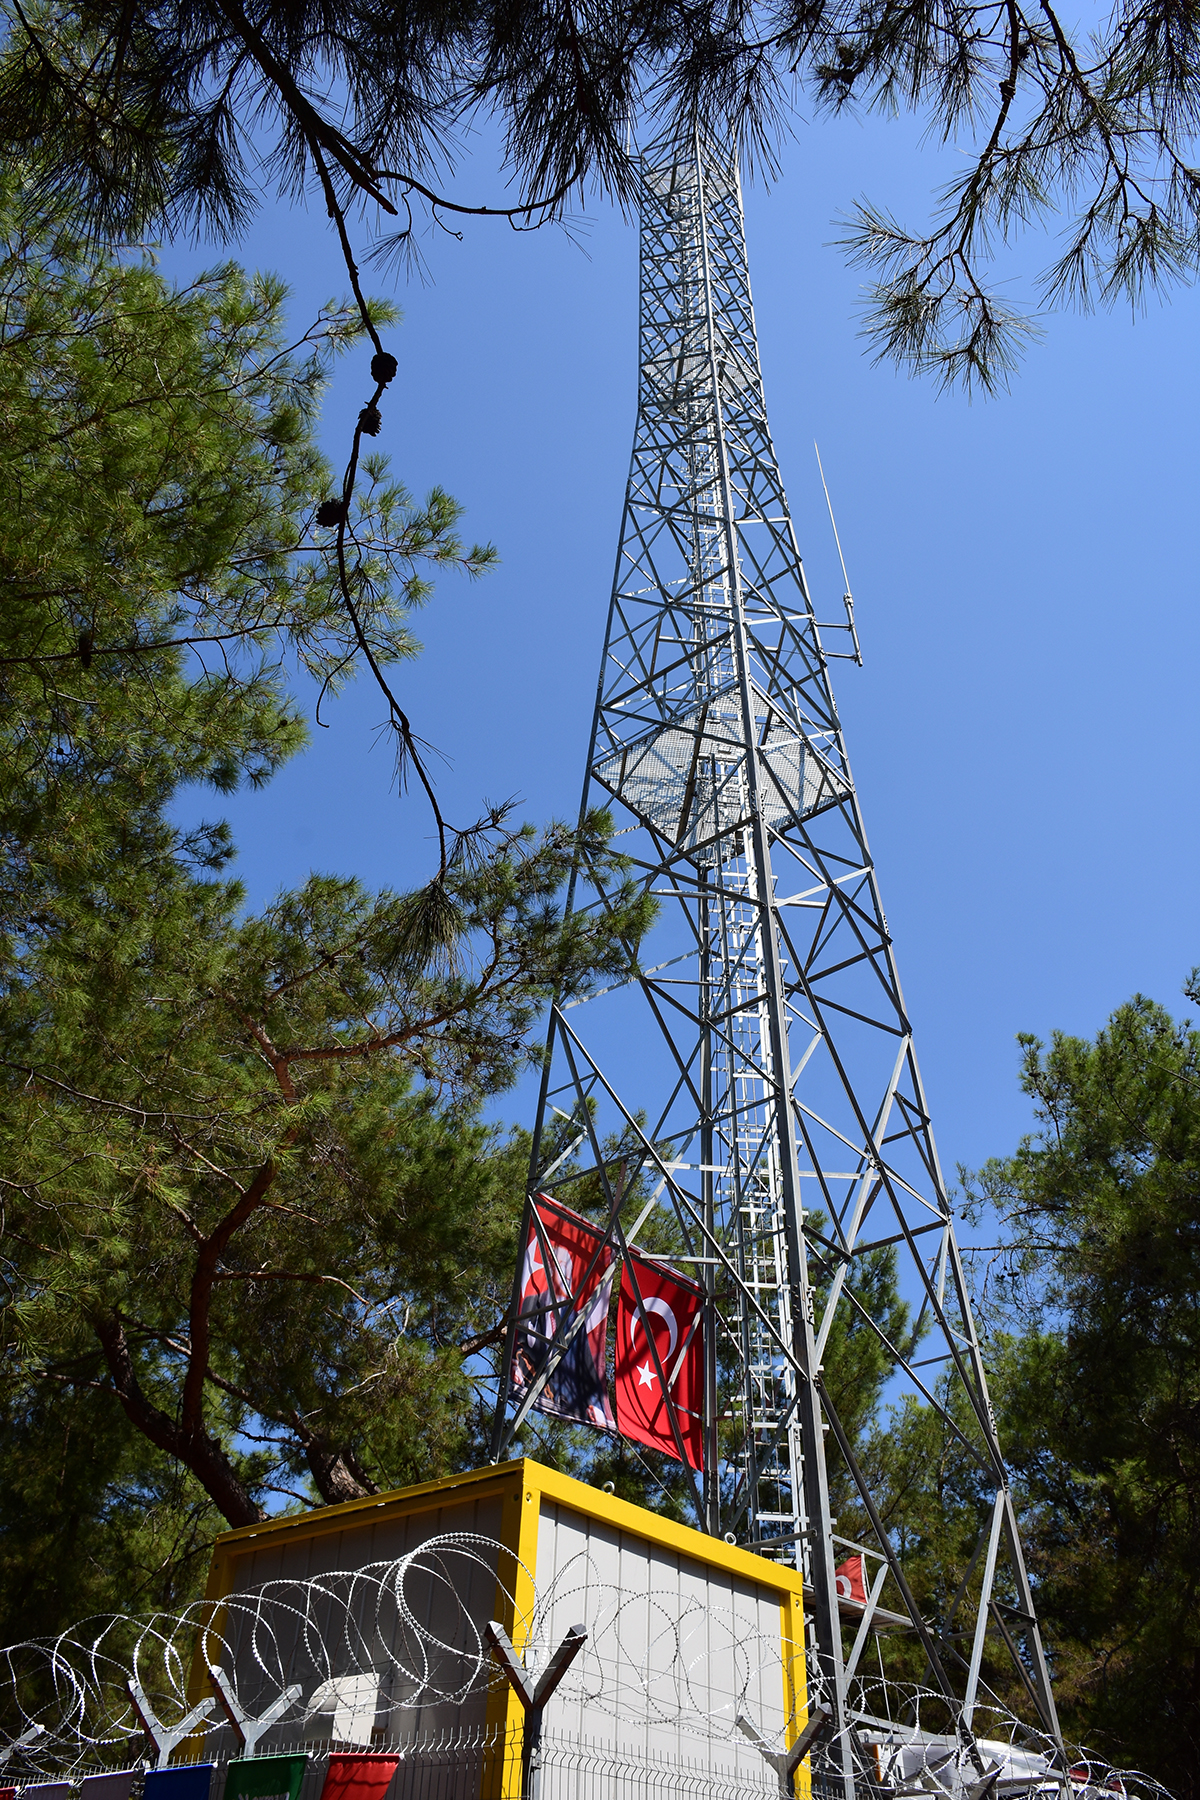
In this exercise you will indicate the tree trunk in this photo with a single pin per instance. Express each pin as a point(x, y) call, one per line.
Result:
point(338, 1475)
point(196, 1450)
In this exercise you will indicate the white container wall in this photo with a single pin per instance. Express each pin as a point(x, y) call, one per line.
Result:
point(685, 1634)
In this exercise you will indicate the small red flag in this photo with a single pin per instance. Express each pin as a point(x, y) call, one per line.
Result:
point(659, 1376)
point(850, 1580)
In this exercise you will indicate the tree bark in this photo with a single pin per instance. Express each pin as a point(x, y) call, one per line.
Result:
point(195, 1449)
point(211, 1249)
point(338, 1475)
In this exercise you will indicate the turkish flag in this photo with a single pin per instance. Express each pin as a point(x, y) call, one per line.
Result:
point(659, 1373)
point(850, 1580)
point(567, 1272)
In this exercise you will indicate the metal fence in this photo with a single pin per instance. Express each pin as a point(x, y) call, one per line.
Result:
point(485, 1763)
point(463, 1766)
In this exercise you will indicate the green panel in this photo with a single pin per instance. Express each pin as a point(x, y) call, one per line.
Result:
point(255, 1777)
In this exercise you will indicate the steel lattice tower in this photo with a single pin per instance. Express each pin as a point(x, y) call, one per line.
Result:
point(758, 1066)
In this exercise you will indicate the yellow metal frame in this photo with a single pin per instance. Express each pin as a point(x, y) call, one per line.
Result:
point(521, 1487)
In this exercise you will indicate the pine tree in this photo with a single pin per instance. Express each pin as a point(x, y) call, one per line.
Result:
point(160, 113)
point(1095, 1297)
point(252, 1225)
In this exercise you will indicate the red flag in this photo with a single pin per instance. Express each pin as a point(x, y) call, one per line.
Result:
point(567, 1272)
point(660, 1341)
point(850, 1580)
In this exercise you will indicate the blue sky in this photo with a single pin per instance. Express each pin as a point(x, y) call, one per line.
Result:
point(1024, 732)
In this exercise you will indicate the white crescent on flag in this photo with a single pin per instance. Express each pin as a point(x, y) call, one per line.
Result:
point(654, 1303)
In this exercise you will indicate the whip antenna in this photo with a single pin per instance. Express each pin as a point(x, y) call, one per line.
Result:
point(847, 596)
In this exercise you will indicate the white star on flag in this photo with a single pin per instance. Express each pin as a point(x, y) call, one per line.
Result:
point(645, 1376)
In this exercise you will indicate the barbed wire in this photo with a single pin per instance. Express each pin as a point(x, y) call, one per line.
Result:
point(918, 1750)
point(395, 1653)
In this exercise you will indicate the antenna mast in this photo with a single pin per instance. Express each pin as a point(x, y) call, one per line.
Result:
point(847, 596)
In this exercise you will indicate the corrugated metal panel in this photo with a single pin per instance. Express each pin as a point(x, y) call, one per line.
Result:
point(450, 1606)
point(362, 1540)
point(676, 1648)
